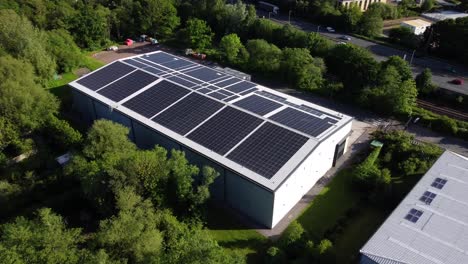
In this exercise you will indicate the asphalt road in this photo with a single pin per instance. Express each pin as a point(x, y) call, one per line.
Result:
point(442, 71)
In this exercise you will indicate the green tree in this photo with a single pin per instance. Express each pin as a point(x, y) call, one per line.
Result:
point(318, 45)
point(292, 234)
point(231, 47)
point(355, 66)
point(21, 40)
point(385, 11)
point(64, 50)
point(24, 105)
point(301, 69)
point(404, 36)
point(350, 17)
point(156, 17)
point(90, 27)
point(447, 38)
point(45, 239)
point(424, 82)
point(106, 137)
point(235, 18)
point(400, 65)
point(427, 5)
point(370, 25)
point(198, 34)
point(132, 234)
point(264, 29)
point(264, 57)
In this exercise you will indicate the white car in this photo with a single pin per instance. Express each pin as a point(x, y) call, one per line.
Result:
point(112, 48)
point(344, 37)
point(330, 29)
point(341, 43)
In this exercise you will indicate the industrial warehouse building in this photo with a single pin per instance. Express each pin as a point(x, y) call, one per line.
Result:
point(269, 148)
point(430, 225)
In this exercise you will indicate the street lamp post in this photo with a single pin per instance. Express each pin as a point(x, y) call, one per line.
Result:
point(289, 17)
point(269, 13)
point(412, 55)
point(318, 29)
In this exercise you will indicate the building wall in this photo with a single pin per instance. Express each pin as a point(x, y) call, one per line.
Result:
point(362, 4)
point(249, 198)
point(307, 174)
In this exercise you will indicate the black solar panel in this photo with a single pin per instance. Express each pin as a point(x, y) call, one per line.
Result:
point(127, 85)
point(267, 149)
point(182, 82)
point(156, 98)
point(190, 79)
point(223, 131)
point(230, 98)
point(413, 215)
point(223, 78)
point(217, 95)
point(204, 90)
point(240, 87)
point(159, 57)
point(176, 64)
point(154, 70)
point(225, 92)
point(249, 91)
point(205, 74)
point(136, 63)
point(98, 79)
point(188, 113)
point(272, 96)
point(228, 82)
point(301, 121)
point(258, 105)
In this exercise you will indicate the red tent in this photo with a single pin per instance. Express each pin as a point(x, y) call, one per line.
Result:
point(128, 42)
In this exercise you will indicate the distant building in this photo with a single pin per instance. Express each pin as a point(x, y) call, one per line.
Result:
point(430, 225)
point(362, 4)
point(443, 15)
point(417, 26)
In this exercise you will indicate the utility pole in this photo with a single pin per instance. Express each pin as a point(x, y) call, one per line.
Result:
point(269, 13)
point(289, 17)
point(318, 29)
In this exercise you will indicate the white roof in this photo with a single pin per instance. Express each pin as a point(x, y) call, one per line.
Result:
point(417, 23)
point(443, 15)
point(440, 235)
point(171, 74)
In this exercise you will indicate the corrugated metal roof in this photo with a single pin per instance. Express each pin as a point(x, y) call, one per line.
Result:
point(440, 235)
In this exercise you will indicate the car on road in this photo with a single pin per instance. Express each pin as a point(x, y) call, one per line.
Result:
point(457, 81)
point(344, 37)
point(330, 29)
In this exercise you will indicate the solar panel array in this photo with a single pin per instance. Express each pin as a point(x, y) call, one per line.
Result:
point(192, 100)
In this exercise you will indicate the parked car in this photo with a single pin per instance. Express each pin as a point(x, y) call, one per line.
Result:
point(330, 29)
point(112, 48)
point(344, 37)
point(457, 81)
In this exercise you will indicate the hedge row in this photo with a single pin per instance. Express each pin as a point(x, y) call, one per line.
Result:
point(441, 123)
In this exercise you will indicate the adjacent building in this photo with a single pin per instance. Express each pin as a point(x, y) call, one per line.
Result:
point(417, 26)
point(362, 4)
point(269, 148)
point(443, 15)
point(430, 225)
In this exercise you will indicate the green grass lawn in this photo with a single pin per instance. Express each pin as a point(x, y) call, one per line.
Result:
point(59, 87)
point(233, 235)
point(331, 203)
point(357, 232)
